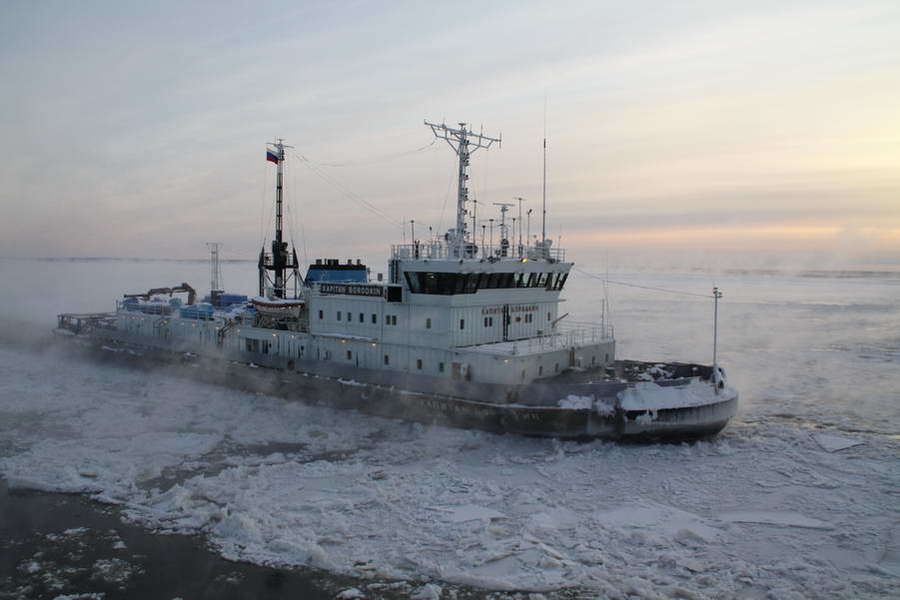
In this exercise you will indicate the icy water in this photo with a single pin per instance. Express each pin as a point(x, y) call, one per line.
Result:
point(799, 497)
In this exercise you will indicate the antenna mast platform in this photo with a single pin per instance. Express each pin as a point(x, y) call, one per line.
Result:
point(464, 143)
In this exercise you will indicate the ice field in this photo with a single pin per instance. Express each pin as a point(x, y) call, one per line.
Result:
point(799, 497)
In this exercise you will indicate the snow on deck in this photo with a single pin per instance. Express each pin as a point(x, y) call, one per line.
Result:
point(761, 511)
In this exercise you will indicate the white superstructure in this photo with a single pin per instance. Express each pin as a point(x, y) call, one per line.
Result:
point(451, 307)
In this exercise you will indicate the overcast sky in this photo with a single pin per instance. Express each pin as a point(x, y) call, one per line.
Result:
point(687, 131)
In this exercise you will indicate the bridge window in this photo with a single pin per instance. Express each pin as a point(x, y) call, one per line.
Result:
point(447, 284)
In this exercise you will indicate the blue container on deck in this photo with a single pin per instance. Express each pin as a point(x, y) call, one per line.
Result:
point(229, 299)
point(203, 312)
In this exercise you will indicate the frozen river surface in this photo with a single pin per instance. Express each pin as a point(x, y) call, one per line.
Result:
point(799, 497)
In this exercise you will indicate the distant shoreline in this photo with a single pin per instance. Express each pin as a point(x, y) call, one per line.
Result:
point(848, 272)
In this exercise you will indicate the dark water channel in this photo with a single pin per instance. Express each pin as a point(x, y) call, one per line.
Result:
point(62, 544)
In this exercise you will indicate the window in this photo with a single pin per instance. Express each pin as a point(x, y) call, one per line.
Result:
point(265, 346)
point(349, 317)
point(540, 370)
point(374, 318)
point(556, 368)
point(548, 316)
point(428, 323)
point(362, 318)
point(489, 321)
point(440, 367)
point(447, 284)
point(394, 293)
point(339, 315)
point(462, 323)
point(419, 364)
point(321, 314)
point(349, 355)
point(387, 359)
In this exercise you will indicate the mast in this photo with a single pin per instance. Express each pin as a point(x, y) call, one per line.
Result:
point(464, 143)
point(716, 295)
point(279, 261)
point(504, 228)
point(215, 273)
point(544, 195)
point(520, 199)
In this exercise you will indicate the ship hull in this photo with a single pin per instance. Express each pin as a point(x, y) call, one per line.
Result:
point(532, 410)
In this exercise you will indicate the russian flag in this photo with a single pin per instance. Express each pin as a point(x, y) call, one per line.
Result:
point(271, 156)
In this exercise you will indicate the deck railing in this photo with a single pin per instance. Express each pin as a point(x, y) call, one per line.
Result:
point(441, 250)
point(570, 335)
